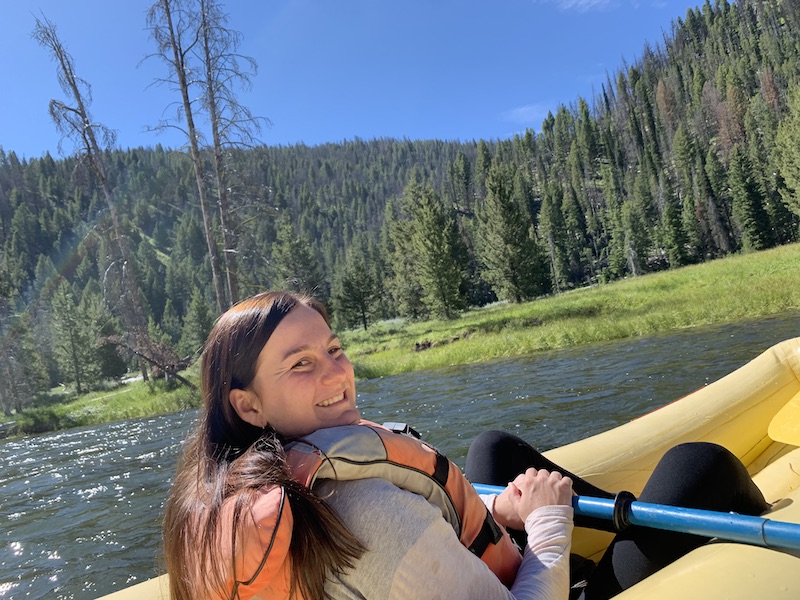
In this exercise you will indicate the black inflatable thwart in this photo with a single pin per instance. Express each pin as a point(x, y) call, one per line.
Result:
point(622, 505)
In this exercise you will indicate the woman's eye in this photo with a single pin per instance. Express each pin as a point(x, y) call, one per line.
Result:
point(300, 363)
point(334, 350)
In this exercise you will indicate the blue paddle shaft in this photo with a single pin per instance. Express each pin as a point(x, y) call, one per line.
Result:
point(733, 527)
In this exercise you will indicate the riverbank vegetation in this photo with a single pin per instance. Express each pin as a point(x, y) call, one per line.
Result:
point(728, 290)
point(484, 248)
point(128, 400)
point(723, 291)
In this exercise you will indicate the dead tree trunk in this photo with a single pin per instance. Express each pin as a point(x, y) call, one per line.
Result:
point(75, 122)
point(170, 37)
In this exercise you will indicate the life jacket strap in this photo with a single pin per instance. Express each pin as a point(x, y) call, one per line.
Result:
point(490, 533)
point(442, 470)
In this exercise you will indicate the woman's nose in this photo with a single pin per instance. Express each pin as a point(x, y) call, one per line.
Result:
point(333, 370)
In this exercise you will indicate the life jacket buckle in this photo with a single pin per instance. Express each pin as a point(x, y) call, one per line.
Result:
point(403, 428)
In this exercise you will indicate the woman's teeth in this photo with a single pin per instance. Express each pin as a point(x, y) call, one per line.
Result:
point(333, 400)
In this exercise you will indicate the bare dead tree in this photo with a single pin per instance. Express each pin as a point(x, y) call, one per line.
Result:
point(174, 28)
point(162, 359)
point(73, 120)
point(232, 123)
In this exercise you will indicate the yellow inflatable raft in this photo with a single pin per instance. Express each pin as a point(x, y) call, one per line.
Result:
point(754, 412)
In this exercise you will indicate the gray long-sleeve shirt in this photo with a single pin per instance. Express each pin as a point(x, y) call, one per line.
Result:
point(413, 553)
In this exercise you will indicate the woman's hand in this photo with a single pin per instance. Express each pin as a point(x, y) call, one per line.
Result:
point(531, 490)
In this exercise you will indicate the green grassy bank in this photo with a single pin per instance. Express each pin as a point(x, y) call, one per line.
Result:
point(128, 401)
point(724, 291)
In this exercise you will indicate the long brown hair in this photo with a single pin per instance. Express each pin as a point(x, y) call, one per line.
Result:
point(226, 457)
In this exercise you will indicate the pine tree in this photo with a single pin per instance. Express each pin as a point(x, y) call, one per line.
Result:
point(617, 244)
point(748, 204)
point(295, 265)
point(553, 232)
point(514, 264)
point(719, 202)
point(23, 246)
point(232, 123)
point(22, 366)
point(356, 295)
point(170, 322)
point(152, 277)
point(461, 182)
point(438, 252)
point(578, 247)
point(104, 325)
point(482, 163)
point(637, 240)
point(403, 281)
point(378, 266)
point(673, 238)
point(74, 340)
point(196, 326)
point(761, 125)
point(788, 153)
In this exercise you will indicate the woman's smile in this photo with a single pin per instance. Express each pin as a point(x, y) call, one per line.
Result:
point(332, 401)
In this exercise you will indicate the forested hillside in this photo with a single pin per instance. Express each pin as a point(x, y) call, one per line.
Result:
point(691, 152)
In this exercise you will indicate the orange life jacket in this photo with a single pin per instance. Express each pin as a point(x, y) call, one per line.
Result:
point(368, 450)
point(262, 548)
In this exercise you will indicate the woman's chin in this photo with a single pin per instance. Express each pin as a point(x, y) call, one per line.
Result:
point(350, 416)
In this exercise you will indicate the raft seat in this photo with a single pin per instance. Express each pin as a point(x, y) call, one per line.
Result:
point(782, 475)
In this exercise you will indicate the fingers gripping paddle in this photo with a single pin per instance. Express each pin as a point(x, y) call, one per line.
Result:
point(746, 529)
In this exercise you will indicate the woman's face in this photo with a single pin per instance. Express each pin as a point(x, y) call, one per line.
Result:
point(303, 380)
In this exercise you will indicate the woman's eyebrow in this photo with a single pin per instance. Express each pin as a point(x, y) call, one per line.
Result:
point(305, 347)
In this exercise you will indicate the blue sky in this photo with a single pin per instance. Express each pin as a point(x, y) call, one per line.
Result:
point(335, 70)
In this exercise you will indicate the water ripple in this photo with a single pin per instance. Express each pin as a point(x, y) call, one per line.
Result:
point(81, 508)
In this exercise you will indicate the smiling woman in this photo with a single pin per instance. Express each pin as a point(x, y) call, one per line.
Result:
point(233, 493)
point(243, 520)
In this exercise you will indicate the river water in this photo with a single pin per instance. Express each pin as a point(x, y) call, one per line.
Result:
point(80, 509)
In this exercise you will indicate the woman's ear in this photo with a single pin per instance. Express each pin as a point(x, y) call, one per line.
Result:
point(247, 406)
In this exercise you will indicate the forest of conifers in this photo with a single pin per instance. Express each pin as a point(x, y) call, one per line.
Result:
point(689, 153)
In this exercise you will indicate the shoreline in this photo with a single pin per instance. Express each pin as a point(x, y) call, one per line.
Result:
point(729, 290)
